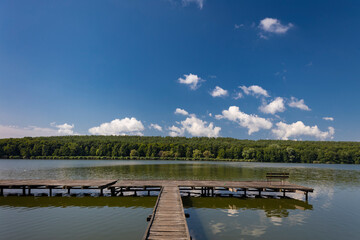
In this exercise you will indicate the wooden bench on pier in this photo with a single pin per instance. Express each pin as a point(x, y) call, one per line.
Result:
point(277, 175)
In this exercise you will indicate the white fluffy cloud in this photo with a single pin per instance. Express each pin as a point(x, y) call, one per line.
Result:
point(155, 126)
point(295, 103)
point(200, 3)
point(254, 90)
point(273, 107)
point(219, 92)
point(252, 122)
point(195, 127)
point(192, 80)
point(199, 128)
point(273, 25)
point(125, 126)
point(328, 118)
point(34, 131)
point(176, 131)
point(65, 129)
point(181, 112)
point(285, 131)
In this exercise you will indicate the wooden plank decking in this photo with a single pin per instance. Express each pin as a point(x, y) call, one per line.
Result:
point(46, 183)
point(168, 219)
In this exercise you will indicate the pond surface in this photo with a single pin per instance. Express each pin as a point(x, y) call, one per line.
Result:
point(332, 212)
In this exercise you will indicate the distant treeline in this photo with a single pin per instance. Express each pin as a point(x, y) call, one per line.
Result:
point(135, 147)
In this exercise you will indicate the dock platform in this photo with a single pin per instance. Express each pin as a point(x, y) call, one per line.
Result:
point(168, 220)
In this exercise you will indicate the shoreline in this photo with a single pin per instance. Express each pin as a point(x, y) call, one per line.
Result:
point(104, 158)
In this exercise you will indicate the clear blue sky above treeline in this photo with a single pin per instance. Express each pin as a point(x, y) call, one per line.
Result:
point(242, 69)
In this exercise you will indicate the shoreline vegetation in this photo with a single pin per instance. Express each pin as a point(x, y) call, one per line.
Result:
point(179, 148)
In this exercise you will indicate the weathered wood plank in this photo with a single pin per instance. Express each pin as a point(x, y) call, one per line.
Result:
point(168, 221)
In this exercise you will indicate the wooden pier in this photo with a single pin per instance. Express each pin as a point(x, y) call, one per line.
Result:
point(168, 220)
point(54, 184)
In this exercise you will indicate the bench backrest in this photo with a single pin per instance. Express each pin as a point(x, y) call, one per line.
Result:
point(277, 175)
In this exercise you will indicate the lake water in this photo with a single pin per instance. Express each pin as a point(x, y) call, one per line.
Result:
point(332, 212)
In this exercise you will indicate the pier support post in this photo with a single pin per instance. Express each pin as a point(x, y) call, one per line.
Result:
point(29, 191)
point(101, 191)
point(148, 192)
point(212, 191)
point(50, 192)
point(1, 191)
point(23, 191)
point(284, 192)
point(112, 191)
point(306, 196)
point(245, 192)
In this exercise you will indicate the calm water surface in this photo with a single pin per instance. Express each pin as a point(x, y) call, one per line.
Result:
point(333, 210)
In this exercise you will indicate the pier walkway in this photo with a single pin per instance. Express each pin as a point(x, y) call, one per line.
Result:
point(168, 219)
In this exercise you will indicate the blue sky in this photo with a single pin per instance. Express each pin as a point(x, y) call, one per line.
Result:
point(281, 69)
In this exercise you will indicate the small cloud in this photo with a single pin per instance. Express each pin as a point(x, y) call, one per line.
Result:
point(199, 128)
point(237, 26)
point(255, 90)
point(176, 131)
point(65, 129)
point(155, 126)
point(238, 96)
point(192, 80)
point(195, 127)
point(309, 64)
point(200, 3)
point(273, 25)
point(34, 131)
point(295, 103)
point(285, 131)
point(273, 107)
point(219, 92)
point(252, 122)
point(328, 118)
point(125, 126)
point(181, 112)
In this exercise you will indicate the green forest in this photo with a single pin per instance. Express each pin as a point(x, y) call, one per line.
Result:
point(181, 148)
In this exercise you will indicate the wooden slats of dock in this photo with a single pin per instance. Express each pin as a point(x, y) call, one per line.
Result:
point(168, 220)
